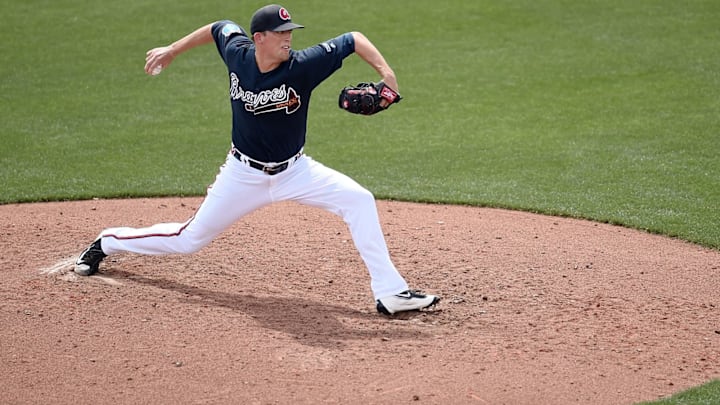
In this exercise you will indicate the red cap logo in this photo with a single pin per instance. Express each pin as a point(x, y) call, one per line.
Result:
point(284, 15)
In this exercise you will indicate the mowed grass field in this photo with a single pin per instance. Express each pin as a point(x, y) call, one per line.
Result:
point(606, 110)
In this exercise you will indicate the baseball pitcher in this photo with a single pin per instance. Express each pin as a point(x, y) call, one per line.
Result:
point(269, 90)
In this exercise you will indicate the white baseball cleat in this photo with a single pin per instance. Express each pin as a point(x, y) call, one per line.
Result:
point(408, 300)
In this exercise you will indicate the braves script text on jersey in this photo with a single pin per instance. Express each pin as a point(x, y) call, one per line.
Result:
point(270, 109)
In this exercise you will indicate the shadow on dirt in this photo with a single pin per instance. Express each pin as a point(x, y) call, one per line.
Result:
point(310, 322)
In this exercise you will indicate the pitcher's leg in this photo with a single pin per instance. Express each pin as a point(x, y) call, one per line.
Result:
point(359, 211)
point(317, 185)
point(236, 192)
point(164, 238)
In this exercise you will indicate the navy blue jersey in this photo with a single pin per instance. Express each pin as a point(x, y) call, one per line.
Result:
point(270, 109)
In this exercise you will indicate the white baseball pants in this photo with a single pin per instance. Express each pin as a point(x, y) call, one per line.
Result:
point(239, 190)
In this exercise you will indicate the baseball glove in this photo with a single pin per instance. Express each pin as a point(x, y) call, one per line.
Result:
point(366, 98)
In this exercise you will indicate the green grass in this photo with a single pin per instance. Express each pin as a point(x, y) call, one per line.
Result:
point(603, 110)
point(607, 110)
point(708, 394)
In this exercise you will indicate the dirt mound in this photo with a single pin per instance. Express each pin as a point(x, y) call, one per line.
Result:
point(278, 309)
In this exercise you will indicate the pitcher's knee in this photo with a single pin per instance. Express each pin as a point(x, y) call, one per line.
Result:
point(186, 244)
point(359, 202)
point(363, 196)
point(187, 249)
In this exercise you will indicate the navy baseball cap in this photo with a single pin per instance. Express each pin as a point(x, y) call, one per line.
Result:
point(272, 18)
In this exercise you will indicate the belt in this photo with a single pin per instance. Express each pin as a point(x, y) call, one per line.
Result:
point(267, 168)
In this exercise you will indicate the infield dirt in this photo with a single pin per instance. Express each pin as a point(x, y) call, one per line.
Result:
point(535, 310)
